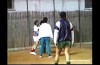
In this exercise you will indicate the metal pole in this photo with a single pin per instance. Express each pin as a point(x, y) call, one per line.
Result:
point(28, 23)
point(79, 22)
point(62, 4)
point(54, 11)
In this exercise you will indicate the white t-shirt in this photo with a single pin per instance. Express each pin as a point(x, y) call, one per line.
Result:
point(45, 30)
point(35, 28)
point(35, 37)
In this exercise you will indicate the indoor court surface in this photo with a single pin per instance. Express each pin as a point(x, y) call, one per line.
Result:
point(78, 56)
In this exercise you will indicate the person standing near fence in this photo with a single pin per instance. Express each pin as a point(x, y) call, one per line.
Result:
point(63, 37)
point(45, 33)
point(44, 43)
point(35, 38)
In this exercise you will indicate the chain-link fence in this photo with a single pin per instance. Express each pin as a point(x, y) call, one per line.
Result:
point(23, 13)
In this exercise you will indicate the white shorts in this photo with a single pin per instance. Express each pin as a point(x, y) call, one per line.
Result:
point(35, 38)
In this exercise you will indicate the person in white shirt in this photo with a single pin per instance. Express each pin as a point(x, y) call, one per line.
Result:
point(35, 37)
point(63, 37)
point(45, 33)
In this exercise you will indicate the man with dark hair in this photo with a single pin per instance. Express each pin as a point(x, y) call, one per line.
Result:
point(63, 37)
point(45, 33)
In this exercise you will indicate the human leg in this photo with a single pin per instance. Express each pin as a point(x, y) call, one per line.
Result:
point(34, 45)
point(67, 47)
point(58, 51)
point(34, 48)
point(41, 46)
point(48, 48)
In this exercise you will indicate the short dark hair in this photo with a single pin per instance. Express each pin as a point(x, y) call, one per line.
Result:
point(63, 14)
point(36, 21)
point(45, 19)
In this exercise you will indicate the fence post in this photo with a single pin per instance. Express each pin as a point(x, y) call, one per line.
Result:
point(54, 11)
point(79, 22)
point(28, 23)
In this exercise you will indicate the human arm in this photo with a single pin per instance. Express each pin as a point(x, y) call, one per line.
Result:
point(72, 33)
point(56, 32)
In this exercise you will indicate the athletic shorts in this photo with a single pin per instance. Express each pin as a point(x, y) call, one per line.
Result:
point(64, 44)
point(35, 38)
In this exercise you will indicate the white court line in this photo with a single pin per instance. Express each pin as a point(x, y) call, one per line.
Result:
point(82, 59)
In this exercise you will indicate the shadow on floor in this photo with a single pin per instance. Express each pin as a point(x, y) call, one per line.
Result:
point(72, 53)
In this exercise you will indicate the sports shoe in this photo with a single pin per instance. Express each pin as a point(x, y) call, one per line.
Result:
point(68, 63)
point(40, 56)
point(49, 56)
point(56, 63)
point(33, 53)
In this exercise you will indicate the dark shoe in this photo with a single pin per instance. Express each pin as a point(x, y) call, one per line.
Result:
point(68, 63)
point(56, 63)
